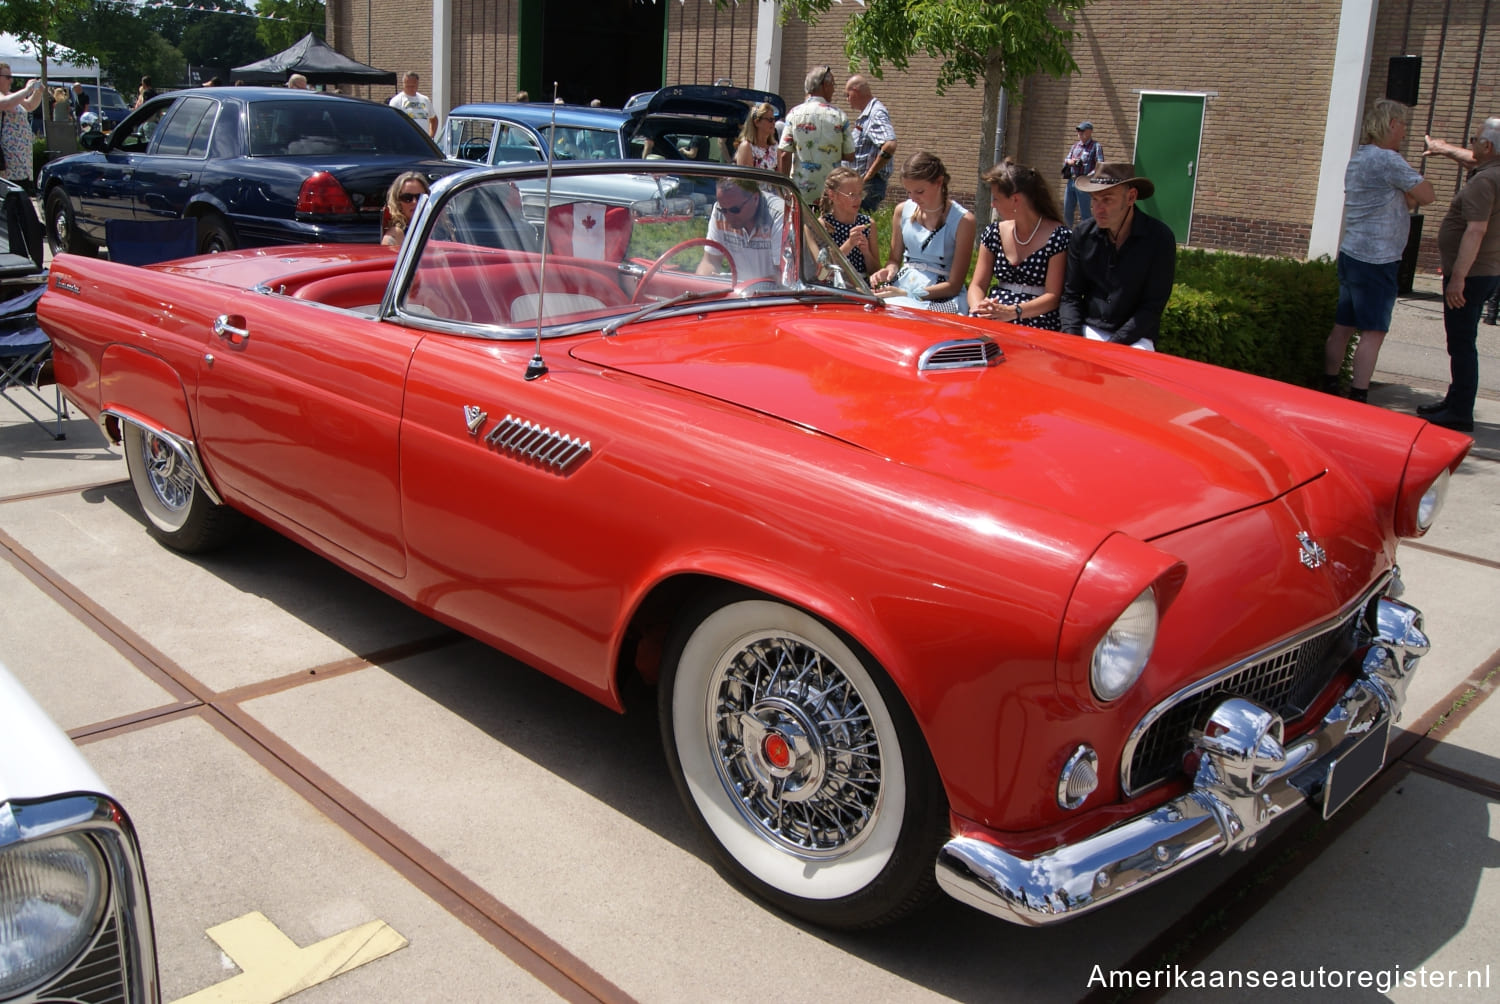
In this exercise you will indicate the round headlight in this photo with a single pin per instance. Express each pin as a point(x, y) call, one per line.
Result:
point(1122, 653)
point(1432, 502)
point(52, 892)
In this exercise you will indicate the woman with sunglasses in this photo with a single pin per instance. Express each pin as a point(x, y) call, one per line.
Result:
point(757, 143)
point(400, 204)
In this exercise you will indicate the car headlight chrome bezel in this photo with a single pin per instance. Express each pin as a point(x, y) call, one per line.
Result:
point(1121, 655)
point(54, 891)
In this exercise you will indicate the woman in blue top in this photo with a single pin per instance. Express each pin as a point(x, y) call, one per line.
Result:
point(932, 242)
point(1380, 191)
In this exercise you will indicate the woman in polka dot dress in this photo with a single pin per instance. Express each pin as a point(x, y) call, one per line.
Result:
point(1023, 256)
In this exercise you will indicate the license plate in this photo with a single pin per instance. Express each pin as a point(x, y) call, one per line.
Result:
point(1355, 767)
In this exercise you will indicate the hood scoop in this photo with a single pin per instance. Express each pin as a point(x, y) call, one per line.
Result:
point(961, 354)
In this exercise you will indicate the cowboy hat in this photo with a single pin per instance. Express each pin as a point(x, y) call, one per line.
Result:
point(1111, 175)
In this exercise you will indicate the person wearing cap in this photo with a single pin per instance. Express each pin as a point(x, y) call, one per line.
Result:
point(1120, 263)
point(1083, 157)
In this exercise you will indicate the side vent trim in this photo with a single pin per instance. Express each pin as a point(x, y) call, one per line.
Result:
point(546, 447)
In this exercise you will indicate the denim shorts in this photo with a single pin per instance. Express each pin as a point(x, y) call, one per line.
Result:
point(1367, 294)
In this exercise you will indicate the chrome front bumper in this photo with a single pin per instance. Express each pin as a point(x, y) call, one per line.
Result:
point(1246, 778)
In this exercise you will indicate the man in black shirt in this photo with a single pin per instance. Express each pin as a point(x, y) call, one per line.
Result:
point(1120, 263)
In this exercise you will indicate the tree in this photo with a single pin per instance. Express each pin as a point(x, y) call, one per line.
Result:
point(302, 16)
point(222, 38)
point(35, 22)
point(125, 45)
point(997, 42)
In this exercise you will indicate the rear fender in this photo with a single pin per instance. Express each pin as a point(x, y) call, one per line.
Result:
point(144, 390)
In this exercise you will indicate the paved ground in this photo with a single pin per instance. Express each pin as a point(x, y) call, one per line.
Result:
point(293, 743)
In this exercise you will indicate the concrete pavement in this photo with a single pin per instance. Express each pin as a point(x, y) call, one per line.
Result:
point(293, 742)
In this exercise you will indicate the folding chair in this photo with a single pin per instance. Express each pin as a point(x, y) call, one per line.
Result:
point(24, 348)
point(20, 238)
point(146, 242)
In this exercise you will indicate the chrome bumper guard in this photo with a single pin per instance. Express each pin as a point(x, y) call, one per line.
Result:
point(1245, 778)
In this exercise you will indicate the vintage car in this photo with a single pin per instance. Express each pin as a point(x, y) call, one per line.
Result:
point(676, 123)
point(75, 917)
point(928, 601)
point(253, 166)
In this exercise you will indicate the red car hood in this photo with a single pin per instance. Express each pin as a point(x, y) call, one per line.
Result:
point(1057, 423)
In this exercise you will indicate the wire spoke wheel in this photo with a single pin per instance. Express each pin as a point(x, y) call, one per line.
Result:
point(796, 745)
point(179, 513)
point(800, 761)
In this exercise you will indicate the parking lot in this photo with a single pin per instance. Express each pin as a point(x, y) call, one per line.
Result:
point(335, 793)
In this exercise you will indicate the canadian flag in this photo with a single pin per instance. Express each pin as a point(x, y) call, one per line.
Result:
point(589, 230)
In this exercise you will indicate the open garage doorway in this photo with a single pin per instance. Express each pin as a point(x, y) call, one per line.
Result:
point(607, 50)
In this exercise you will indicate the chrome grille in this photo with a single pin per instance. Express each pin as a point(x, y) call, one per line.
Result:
point(968, 353)
point(1287, 682)
point(98, 977)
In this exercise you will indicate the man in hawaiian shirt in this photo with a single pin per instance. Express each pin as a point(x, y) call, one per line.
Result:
point(816, 138)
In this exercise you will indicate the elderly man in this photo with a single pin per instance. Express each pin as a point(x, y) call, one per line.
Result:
point(1120, 263)
point(297, 82)
point(418, 106)
point(1469, 251)
point(816, 138)
point(874, 141)
point(1083, 157)
point(750, 225)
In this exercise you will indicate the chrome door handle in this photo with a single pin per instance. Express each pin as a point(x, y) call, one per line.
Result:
point(232, 329)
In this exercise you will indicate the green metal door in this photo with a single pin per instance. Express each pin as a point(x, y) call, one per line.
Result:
point(1166, 151)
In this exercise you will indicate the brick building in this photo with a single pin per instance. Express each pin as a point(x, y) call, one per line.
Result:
point(1243, 113)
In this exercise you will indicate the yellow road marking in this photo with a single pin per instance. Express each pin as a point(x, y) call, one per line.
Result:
point(273, 967)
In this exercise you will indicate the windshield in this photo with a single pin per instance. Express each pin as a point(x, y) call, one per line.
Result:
point(617, 242)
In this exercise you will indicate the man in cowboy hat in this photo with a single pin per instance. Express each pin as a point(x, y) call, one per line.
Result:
point(1120, 263)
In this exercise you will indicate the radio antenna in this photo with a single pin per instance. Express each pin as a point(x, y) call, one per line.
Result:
point(538, 366)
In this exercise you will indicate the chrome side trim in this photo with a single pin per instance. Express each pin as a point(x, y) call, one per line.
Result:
point(529, 441)
point(186, 449)
point(961, 354)
point(127, 913)
point(1339, 619)
point(1246, 779)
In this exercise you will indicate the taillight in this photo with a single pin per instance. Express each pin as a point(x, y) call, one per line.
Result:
point(322, 194)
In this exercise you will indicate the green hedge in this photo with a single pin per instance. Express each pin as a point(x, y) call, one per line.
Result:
point(1268, 316)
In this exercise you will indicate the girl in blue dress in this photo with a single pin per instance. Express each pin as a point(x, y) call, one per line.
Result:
point(932, 241)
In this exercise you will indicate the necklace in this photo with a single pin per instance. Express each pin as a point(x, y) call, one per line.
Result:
point(1033, 233)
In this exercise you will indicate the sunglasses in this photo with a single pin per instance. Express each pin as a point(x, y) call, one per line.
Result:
point(736, 210)
point(410, 196)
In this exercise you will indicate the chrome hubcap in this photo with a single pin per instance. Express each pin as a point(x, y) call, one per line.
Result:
point(171, 481)
point(795, 745)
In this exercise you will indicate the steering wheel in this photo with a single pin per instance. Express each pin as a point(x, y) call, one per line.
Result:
point(691, 242)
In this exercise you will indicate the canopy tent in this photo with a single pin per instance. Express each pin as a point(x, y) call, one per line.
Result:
point(316, 60)
point(24, 64)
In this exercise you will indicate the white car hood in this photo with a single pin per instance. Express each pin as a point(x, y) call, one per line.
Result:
point(36, 759)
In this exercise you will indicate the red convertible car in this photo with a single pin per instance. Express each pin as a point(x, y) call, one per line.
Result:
point(929, 602)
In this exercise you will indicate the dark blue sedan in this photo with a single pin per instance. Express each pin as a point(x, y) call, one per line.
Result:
point(253, 166)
